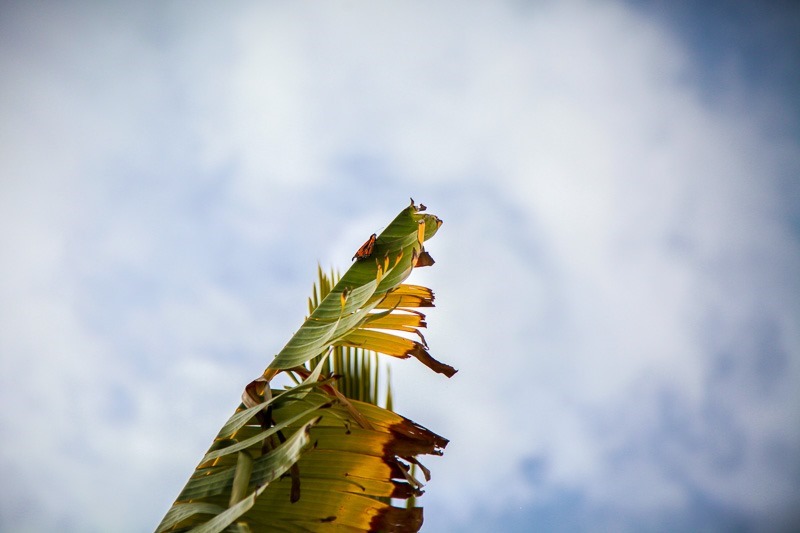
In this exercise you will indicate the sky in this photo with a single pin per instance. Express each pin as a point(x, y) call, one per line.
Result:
point(616, 279)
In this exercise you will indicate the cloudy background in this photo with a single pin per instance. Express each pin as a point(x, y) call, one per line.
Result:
point(617, 277)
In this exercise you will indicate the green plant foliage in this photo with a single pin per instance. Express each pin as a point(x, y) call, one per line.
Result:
point(358, 372)
point(323, 455)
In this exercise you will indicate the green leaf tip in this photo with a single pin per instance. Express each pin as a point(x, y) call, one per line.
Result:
point(380, 266)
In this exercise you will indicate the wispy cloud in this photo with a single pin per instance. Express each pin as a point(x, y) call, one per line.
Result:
point(615, 279)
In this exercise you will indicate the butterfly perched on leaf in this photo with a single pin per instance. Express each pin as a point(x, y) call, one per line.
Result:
point(366, 249)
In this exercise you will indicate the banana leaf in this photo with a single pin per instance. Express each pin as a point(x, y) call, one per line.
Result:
point(310, 457)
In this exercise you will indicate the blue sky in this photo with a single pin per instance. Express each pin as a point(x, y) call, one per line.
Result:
point(616, 277)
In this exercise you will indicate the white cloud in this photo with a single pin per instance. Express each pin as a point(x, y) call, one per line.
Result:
point(613, 247)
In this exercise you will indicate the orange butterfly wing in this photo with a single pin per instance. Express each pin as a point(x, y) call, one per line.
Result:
point(366, 249)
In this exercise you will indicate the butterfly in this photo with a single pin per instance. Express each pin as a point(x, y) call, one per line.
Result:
point(366, 249)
